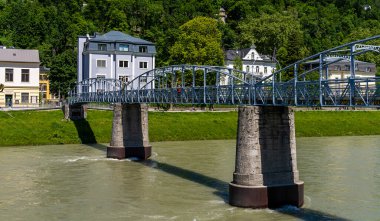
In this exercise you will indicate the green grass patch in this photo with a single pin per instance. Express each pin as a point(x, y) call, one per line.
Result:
point(48, 127)
point(337, 123)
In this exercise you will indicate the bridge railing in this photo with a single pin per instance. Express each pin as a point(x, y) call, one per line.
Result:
point(332, 92)
point(311, 84)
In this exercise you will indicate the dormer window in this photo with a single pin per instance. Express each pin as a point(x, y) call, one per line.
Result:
point(143, 49)
point(123, 47)
point(102, 47)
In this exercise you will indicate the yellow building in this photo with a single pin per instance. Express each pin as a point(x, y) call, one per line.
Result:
point(45, 95)
point(19, 73)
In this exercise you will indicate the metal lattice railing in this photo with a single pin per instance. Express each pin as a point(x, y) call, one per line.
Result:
point(310, 84)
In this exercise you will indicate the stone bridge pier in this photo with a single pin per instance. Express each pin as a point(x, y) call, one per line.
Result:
point(75, 111)
point(266, 172)
point(130, 136)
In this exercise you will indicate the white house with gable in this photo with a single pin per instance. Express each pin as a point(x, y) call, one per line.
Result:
point(253, 62)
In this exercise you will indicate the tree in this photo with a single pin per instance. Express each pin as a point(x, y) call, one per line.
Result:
point(199, 42)
point(63, 72)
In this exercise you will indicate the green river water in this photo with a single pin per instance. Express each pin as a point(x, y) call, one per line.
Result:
point(182, 181)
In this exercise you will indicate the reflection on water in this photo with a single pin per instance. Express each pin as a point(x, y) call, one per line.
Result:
point(182, 181)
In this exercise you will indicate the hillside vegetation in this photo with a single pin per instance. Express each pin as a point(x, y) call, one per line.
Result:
point(286, 29)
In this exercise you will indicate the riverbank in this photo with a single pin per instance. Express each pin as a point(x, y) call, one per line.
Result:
point(48, 127)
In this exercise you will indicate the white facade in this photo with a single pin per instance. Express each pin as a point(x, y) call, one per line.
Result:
point(252, 62)
point(114, 55)
point(19, 73)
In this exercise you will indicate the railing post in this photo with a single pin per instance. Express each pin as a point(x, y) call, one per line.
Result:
point(352, 76)
point(217, 86)
point(295, 84)
point(254, 92)
point(320, 79)
point(351, 83)
point(352, 61)
point(366, 93)
point(204, 85)
point(138, 89)
point(232, 88)
point(273, 85)
point(193, 91)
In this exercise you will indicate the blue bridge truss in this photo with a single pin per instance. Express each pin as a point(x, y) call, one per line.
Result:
point(310, 84)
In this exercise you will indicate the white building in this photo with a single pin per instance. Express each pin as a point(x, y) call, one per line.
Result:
point(341, 69)
point(19, 73)
point(253, 62)
point(114, 55)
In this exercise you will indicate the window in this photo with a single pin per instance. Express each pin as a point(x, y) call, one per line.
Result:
point(101, 76)
point(123, 78)
point(43, 77)
point(43, 95)
point(24, 97)
point(24, 75)
point(257, 69)
point(347, 67)
point(102, 47)
point(101, 63)
point(143, 49)
point(43, 87)
point(253, 55)
point(368, 69)
point(123, 47)
point(265, 70)
point(247, 69)
point(337, 67)
point(143, 79)
point(33, 99)
point(123, 64)
point(8, 75)
point(143, 65)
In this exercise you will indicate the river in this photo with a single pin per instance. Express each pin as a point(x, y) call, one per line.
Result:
point(182, 181)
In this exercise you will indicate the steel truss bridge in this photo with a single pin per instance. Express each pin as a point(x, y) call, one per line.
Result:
point(310, 84)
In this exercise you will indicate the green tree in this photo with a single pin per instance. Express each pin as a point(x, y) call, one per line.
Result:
point(63, 72)
point(199, 42)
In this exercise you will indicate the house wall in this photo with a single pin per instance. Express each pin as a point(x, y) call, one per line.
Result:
point(88, 56)
point(124, 71)
point(16, 88)
point(95, 70)
point(80, 62)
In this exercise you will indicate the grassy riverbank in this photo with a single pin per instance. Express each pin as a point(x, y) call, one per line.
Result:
point(47, 127)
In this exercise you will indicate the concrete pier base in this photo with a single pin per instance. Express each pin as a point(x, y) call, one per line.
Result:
point(116, 148)
point(142, 153)
point(266, 172)
point(136, 137)
point(130, 136)
point(116, 152)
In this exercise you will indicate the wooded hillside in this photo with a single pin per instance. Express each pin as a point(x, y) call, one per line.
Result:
point(288, 29)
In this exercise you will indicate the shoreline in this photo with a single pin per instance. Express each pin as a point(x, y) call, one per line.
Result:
point(45, 127)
